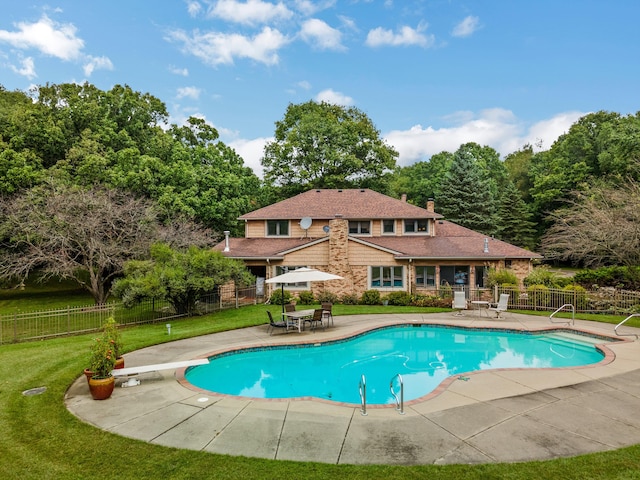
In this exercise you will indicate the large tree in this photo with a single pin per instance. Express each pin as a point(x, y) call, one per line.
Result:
point(422, 180)
point(180, 277)
point(321, 145)
point(466, 193)
point(599, 227)
point(83, 234)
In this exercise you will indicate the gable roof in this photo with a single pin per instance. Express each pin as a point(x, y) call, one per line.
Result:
point(350, 203)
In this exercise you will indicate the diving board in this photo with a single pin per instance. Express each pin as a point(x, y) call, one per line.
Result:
point(123, 372)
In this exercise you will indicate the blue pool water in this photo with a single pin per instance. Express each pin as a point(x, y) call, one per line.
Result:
point(424, 355)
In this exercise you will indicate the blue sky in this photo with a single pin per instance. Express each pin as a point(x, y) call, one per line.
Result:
point(431, 74)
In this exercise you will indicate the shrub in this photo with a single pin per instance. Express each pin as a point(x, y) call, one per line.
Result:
point(398, 298)
point(445, 291)
point(306, 298)
point(277, 298)
point(501, 277)
point(349, 299)
point(431, 301)
point(576, 296)
point(542, 276)
point(539, 295)
point(619, 277)
point(370, 297)
point(327, 297)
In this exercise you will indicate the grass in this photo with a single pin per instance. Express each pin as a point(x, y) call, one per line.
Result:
point(39, 438)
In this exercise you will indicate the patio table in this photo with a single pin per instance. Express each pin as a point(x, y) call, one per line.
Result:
point(481, 306)
point(299, 317)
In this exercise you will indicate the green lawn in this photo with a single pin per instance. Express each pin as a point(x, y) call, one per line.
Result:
point(40, 439)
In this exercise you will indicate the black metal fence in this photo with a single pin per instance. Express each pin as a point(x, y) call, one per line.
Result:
point(36, 325)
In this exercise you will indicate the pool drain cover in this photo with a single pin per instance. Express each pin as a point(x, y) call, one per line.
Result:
point(34, 391)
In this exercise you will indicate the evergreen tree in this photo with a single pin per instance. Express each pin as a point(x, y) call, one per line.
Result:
point(515, 225)
point(465, 195)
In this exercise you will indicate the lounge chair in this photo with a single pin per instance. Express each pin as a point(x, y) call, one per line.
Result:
point(459, 303)
point(326, 312)
point(273, 325)
point(501, 306)
point(318, 315)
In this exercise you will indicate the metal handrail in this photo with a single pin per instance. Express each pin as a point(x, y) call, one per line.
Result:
point(622, 322)
point(400, 401)
point(363, 395)
point(573, 314)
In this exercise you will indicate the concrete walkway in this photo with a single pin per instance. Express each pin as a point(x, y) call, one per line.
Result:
point(496, 416)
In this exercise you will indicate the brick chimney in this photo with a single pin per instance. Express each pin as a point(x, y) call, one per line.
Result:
point(339, 254)
point(430, 205)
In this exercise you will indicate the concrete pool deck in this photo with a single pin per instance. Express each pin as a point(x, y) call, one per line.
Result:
point(494, 416)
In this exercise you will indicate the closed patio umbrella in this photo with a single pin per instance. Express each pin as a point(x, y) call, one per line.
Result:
point(302, 274)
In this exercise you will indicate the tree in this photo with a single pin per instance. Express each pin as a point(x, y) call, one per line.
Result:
point(179, 277)
point(515, 225)
point(599, 227)
point(320, 145)
point(466, 194)
point(83, 234)
point(422, 180)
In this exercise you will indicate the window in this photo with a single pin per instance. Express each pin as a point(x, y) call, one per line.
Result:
point(388, 226)
point(278, 228)
point(456, 276)
point(426, 276)
point(417, 225)
point(387, 277)
point(481, 276)
point(297, 285)
point(360, 227)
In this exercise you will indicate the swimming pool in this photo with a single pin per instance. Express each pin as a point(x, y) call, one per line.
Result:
point(424, 355)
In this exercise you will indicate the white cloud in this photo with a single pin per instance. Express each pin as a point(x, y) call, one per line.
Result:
point(336, 98)
point(27, 69)
point(251, 152)
point(45, 35)
point(320, 35)
point(304, 85)
point(497, 128)
point(96, 63)
point(189, 92)
point(250, 12)
point(193, 8)
point(179, 71)
point(466, 27)
point(217, 48)
point(405, 36)
point(307, 7)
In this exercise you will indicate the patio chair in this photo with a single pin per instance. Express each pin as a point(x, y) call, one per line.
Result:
point(459, 303)
point(273, 324)
point(289, 307)
point(501, 306)
point(326, 312)
point(318, 315)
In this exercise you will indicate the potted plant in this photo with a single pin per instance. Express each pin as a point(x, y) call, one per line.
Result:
point(113, 334)
point(103, 360)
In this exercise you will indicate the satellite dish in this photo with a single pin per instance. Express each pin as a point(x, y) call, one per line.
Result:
point(305, 223)
point(326, 229)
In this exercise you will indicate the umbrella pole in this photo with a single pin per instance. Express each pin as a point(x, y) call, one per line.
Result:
point(282, 287)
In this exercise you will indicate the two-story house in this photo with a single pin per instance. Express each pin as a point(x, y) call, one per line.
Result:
point(371, 240)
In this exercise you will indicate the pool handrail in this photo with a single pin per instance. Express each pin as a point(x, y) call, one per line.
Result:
point(363, 395)
point(573, 315)
point(399, 401)
point(622, 322)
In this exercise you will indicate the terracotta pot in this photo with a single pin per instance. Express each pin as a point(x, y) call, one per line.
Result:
point(101, 388)
point(88, 373)
point(119, 363)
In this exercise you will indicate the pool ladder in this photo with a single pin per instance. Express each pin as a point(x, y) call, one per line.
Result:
point(362, 387)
